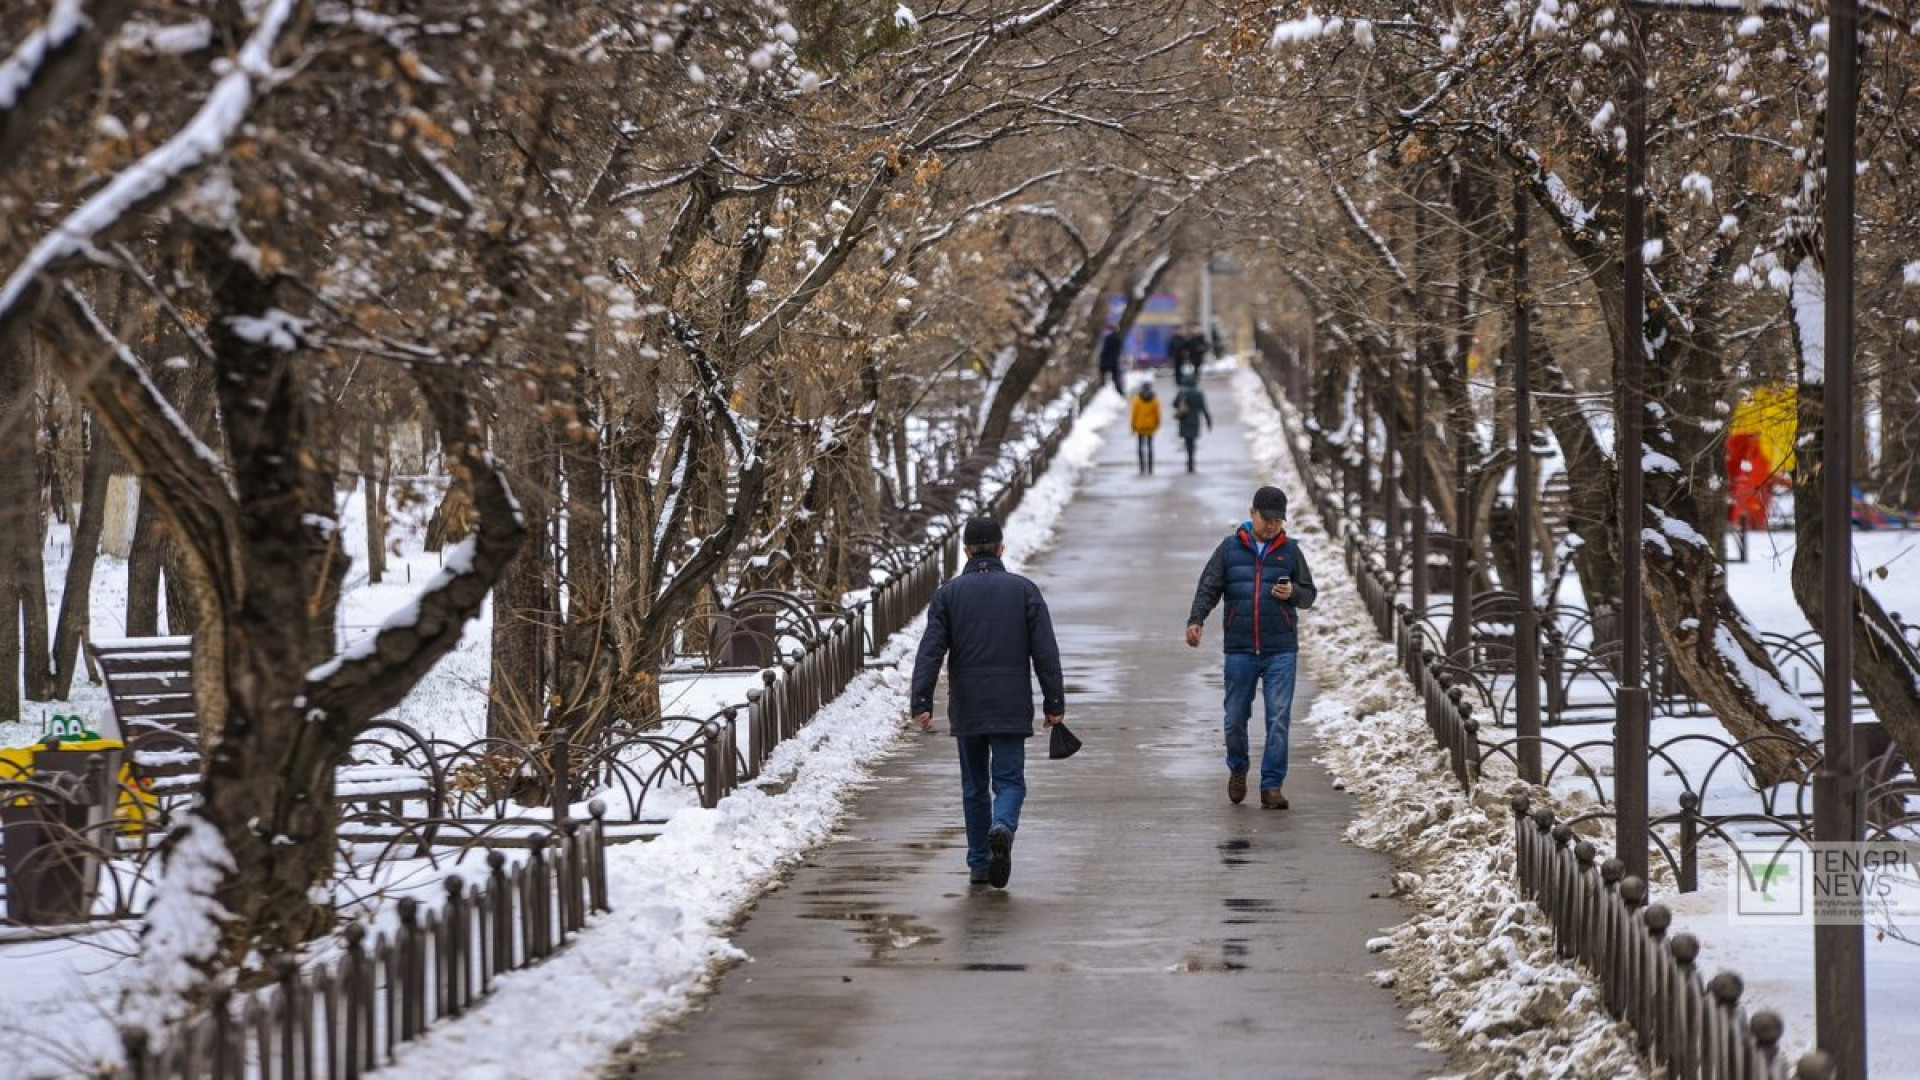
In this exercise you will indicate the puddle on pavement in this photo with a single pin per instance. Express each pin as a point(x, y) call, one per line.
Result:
point(882, 932)
point(993, 967)
point(1234, 852)
point(1247, 911)
point(1234, 955)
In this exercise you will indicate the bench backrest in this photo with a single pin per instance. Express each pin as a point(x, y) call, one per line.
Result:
point(149, 681)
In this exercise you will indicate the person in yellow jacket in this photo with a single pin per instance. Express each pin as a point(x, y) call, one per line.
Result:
point(1146, 421)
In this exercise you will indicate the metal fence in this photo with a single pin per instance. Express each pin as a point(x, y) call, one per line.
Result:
point(1694, 1027)
point(344, 1018)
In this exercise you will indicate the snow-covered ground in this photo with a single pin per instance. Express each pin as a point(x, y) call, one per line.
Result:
point(1485, 965)
point(1476, 964)
point(673, 898)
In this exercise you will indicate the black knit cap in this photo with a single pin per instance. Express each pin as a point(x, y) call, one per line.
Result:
point(1271, 503)
point(980, 532)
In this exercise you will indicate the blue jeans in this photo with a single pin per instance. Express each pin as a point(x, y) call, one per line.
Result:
point(999, 761)
point(1273, 673)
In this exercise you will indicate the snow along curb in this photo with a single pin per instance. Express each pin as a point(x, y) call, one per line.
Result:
point(1477, 963)
point(676, 898)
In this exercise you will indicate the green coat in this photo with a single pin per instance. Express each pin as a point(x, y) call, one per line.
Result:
point(1189, 406)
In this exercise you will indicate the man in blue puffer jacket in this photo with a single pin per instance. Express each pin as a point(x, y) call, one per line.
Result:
point(1264, 577)
point(1000, 635)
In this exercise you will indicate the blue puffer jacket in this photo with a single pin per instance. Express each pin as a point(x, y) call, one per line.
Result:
point(999, 633)
point(1255, 621)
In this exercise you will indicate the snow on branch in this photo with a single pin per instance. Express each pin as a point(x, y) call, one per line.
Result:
point(125, 366)
point(1779, 701)
point(1374, 240)
point(63, 27)
point(374, 674)
point(187, 476)
point(183, 929)
point(765, 330)
point(1149, 275)
point(154, 176)
point(968, 214)
point(1809, 300)
point(35, 77)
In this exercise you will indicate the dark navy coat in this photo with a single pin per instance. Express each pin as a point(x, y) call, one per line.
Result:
point(996, 628)
point(1255, 621)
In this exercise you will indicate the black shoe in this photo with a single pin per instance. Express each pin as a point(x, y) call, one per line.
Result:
point(1001, 868)
point(1236, 787)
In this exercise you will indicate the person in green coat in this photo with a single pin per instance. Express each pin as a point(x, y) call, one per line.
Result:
point(1189, 408)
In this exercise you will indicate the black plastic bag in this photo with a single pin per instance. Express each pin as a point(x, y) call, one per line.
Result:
point(1062, 743)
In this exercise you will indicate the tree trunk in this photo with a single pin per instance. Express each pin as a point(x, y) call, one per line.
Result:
point(1699, 625)
point(1885, 666)
point(1592, 482)
point(23, 595)
point(518, 687)
point(374, 467)
point(629, 454)
point(1899, 475)
point(585, 662)
point(1036, 340)
point(76, 602)
point(144, 561)
point(154, 551)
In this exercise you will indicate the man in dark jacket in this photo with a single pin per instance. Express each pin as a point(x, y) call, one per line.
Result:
point(1111, 348)
point(1264, 578)
point(996, 627)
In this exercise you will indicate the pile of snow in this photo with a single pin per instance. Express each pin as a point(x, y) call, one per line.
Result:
point(676, 898)
point(1477, 965)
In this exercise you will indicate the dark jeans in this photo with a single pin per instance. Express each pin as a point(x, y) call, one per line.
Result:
point(1146, 453)
point(1272, 675)
point(1191, 441)
point(1119, 384)
point(993, 784)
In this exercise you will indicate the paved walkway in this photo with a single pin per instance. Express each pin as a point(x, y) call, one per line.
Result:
point(1150, 930)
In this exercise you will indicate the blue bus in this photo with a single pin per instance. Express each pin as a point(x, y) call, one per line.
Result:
point(1159, 320)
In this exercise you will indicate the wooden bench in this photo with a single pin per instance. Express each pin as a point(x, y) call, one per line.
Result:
point(149, 683)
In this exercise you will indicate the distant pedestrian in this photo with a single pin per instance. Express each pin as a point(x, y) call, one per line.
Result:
point(1146, 421)
point(1189, 408)
point(1263, 577)
point(1188, 351)
point(996, 627)
point(1111, 348)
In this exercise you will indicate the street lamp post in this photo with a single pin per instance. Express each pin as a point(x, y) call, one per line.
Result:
point(1526, 629)
point(1839, 950)
point(1417, 452)
point(1630, 735)
point(1389, 474)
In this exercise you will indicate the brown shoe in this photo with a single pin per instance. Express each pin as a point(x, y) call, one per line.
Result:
point(1236, 787)
point(1271, 799)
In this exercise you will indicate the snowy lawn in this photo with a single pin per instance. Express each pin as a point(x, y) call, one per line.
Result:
point(1483, 955)
point(674, 898)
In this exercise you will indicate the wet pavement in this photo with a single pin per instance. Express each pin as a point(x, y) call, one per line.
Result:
point(1151, 929)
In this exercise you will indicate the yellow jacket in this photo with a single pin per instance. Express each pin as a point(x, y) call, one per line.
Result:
point(1146, 415)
